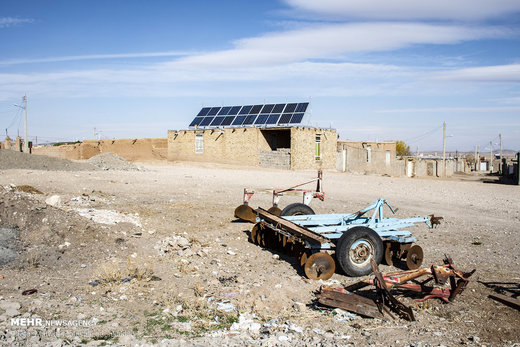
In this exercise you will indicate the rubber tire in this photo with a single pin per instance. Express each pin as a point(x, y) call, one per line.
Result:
point(296, 209)
point(347, 240)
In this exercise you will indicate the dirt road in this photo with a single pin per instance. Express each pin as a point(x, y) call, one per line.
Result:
point(156, 256)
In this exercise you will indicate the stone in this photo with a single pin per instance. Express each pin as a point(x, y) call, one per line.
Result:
point(54, 200)
point(5, 305)
point(11, 312)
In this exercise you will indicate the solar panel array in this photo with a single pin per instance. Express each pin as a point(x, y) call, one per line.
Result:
point(251, 115)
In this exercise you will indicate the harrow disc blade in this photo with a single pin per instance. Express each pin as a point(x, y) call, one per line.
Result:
point(275, 210)
point(319, 266)
point(389, 255)
point(414, 257)
point(246, 213)
point(254, 233)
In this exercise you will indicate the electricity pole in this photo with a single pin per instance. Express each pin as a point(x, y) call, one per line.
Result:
point(491, 157)
point(475, 158)
point(25, 142)
point(444, 148)
point(500, 164)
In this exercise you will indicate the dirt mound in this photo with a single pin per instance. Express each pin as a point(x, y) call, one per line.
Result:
point(111, 161)
point(17, 160)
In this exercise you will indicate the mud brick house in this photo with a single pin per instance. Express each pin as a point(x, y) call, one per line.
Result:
point(269, 135)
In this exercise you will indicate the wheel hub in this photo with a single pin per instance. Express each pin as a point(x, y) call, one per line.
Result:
point(361, 252)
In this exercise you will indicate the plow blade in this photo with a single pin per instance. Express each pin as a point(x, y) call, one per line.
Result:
point(246, 213)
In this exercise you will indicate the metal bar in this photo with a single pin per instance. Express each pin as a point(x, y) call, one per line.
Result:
point(292, 228)
point(506, 300)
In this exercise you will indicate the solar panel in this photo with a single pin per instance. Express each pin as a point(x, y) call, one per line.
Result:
point(245, 109)
point(206, 121)
point(256, 109)
point(224, 111)
point(278, 108)
point(261, 119)
point(249, 120)
point(217, 121)
point(239, 120)
point(204, 111)
point(285, 118)
point(272, 119)
point(267, 109)
point(196, 121)
point(234, 110)
point(296, 118)
point(267, 115)
point(227, 120)
point(213, 111)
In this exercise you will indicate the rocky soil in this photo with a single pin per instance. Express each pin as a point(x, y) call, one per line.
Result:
point(156, 257)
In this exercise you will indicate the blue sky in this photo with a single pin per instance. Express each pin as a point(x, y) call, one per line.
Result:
point(373, 69)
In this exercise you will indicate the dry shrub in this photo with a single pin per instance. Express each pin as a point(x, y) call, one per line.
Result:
point(33, 259)
point(116, 271)
point(139, 269)
point(27, 189)
point(109, 272)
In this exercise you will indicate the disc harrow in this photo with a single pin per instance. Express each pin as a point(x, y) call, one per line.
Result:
point(350, 241)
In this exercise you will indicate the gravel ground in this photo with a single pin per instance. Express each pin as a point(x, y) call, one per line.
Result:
point(16, 160)
point(156, 257)
point(111, 161)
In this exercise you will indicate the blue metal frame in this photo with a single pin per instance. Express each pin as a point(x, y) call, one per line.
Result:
point(333, 226)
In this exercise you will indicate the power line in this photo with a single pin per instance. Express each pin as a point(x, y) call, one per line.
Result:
point(423, 136)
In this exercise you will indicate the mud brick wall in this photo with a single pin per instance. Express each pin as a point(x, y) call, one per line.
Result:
point(247, 146)
point(148, 149)
point(231, 146)
point(355, 156)
point(303, 148)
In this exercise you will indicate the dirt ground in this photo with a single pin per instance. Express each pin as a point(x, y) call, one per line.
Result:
point(155, 256)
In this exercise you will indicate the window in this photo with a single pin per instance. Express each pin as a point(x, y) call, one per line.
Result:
point(387, 157)
point(199, 143)
point(317, 155)
point(369, 154)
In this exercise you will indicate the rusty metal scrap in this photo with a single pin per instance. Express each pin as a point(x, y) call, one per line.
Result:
point(408, 281)
point(346, 300)
point(438, 274)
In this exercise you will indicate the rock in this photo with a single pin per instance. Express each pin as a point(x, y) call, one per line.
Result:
point(54, 200)
point(299, 306)
point(11, 312)
point(5, 305)
point(127, 340)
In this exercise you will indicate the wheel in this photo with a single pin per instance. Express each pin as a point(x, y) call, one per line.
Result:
point(296, 209)
point(355, 249)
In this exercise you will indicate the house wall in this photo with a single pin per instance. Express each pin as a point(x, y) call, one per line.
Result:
point(231, 146)
point(303, 148)
point(368, 157)
point(249, 146)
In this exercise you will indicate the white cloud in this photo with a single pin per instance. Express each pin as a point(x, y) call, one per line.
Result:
point(486, 74)
point(452, 109)
point(94, 57)
point(6, 22)
point(406, 9)
point(332, 41)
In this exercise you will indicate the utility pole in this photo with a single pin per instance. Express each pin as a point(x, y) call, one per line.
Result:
point(491, 156)
point(500, 164)
point(476, 158)
point(25, 140)
point(444, 148)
